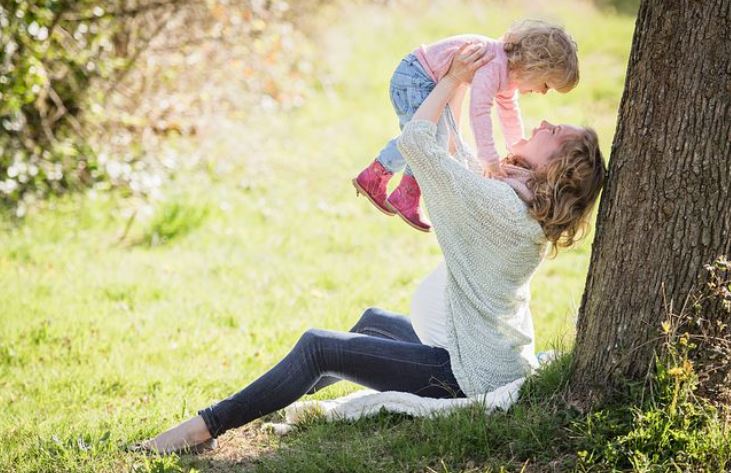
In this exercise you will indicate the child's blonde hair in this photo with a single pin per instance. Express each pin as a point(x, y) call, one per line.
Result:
point(540, 50)
point(566, 188)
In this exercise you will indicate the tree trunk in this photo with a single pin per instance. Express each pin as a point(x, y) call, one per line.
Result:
point(666, 208)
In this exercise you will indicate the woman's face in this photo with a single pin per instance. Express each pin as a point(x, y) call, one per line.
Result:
point(543, 142)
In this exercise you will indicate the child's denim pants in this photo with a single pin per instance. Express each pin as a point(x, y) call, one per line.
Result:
point(410, 86)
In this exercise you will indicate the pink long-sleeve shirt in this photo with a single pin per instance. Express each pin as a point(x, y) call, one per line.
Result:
point(489, 85)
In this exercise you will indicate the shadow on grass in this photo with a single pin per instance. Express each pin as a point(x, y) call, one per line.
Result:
point(239, 450)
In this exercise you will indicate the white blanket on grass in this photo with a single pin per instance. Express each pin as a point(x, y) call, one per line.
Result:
point(369, 402)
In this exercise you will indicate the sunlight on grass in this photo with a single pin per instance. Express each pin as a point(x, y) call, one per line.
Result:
point(173, 219)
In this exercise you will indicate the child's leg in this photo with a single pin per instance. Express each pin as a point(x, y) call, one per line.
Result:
point(390, 157)
point(377, 363)
point(410, 85)
point(377, 323)
point(405, 199)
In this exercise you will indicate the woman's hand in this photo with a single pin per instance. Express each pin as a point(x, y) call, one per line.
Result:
point(465, 62)
point(493, 171)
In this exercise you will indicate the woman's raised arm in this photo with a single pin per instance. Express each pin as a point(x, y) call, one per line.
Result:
point(465, 63)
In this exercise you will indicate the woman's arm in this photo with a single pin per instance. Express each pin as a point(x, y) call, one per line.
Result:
point(431, 108)
point(455, 104)
point(418, 143)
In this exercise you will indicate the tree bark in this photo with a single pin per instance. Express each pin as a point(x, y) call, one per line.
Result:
point(666, 207)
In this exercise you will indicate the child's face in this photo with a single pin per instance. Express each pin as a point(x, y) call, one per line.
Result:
point(528, 85)
point(543, 142)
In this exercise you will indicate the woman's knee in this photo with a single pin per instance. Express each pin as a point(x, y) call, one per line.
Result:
point(368, 316)
point(315, 349)
point(314, 341)
point(310, 337)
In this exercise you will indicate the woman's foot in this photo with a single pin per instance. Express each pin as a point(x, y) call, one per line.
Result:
point(404, 200)
point(372, 182)
point(191, 436)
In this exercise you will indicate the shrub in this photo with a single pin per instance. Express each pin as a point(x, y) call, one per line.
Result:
point(88, 86)
point(53, 54)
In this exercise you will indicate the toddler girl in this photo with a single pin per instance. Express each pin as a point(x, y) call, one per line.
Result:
point(533, 56)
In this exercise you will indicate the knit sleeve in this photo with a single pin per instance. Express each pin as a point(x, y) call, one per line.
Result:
point(452, 193)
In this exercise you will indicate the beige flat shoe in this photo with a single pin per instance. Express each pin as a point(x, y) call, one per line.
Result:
point(144, 447)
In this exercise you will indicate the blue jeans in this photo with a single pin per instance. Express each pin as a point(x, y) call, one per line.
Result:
point(381, 352)
point(410, 86)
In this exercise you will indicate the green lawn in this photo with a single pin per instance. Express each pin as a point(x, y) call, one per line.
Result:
point(104, 342)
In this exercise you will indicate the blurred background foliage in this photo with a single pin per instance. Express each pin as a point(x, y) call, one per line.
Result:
point(88, 88)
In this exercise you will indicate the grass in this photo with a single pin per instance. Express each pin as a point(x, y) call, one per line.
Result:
point(172, 220)
point(102, 343)
point(462, 441)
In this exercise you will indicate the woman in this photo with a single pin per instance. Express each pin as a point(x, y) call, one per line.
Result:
point(474, 332)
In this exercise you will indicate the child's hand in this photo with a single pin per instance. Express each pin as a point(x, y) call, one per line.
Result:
point(465, 62)
point(493, 170)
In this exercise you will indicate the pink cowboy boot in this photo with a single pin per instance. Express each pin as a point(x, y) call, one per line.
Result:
point(372, 182)
point(404, 200)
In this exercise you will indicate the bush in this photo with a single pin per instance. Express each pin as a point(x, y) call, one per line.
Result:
point(87, 86)
point(55, 54)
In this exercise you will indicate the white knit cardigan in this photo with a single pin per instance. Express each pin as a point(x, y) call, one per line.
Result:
point(492, 247)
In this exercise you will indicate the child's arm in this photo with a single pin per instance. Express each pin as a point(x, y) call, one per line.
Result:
point(508, 113)
point(483, 93)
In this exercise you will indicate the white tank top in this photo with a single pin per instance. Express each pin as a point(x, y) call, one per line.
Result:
point(428, 310)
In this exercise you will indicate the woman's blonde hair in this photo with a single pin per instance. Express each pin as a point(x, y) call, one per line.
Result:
point(542, 51)
point(565, 189)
